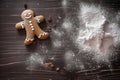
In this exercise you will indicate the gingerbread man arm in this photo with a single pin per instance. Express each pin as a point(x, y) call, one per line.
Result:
point(40, 33)
point(20, 25)
point(39, 18)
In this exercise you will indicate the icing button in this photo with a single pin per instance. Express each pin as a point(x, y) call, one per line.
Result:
point(30, 21)
point(31, 24)
point(32, 28)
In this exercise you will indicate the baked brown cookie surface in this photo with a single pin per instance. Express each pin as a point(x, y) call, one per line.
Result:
point(30, 24)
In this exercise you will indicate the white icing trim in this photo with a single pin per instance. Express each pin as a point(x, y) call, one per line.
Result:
point(40, 35)
point(38, 20)
point(22, 24)
point(29, 39)
point(43, 34)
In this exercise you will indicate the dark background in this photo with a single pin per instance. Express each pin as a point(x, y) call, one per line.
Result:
point(13, 53)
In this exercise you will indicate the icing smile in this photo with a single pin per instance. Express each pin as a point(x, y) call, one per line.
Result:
point(28, 16)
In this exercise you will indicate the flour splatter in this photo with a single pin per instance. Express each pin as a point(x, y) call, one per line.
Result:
point(69, 56)
point(97, 34)
point(73, 62)
point(64, 3)
point(94, 34)
point(57, 43)
point(67, 25)
point(57, 35)
point(34, 61)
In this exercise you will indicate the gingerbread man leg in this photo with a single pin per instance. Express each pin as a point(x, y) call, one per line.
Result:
point(29, 33)
point(29, 36)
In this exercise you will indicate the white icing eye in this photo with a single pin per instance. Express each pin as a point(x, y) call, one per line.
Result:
point(29, 13)
point(24, 14)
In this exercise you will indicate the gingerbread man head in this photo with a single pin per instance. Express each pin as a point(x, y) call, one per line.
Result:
point(30, 24)
point(27, 14)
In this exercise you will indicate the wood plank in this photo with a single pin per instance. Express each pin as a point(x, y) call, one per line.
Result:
point(14, 15)
point(14, 54)
point(17, 1)
point(30, 4)
point(38, 11)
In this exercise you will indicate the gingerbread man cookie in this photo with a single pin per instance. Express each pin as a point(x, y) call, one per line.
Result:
point(30, 24)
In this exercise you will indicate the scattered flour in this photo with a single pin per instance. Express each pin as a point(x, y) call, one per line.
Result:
point(97, 34)
point(57, 33)
point(94, 37)
point(69, 56)
point(67, 25)
point(64, 3)
point(34, 61)
point(72, 63)
point(57, 43)
point(57, 38)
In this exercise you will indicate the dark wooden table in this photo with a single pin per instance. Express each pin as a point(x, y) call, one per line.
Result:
point(14, 54)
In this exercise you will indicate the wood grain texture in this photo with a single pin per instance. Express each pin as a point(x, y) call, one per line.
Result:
point(13, 53)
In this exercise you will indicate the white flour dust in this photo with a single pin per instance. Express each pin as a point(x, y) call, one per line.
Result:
point(67, 25)
point(69, 56)
point(34, 61)
point(57, 33)
point(72, 62)
point(57, 38)
point(57, 43)
point(64, 3)
point(96, 34)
